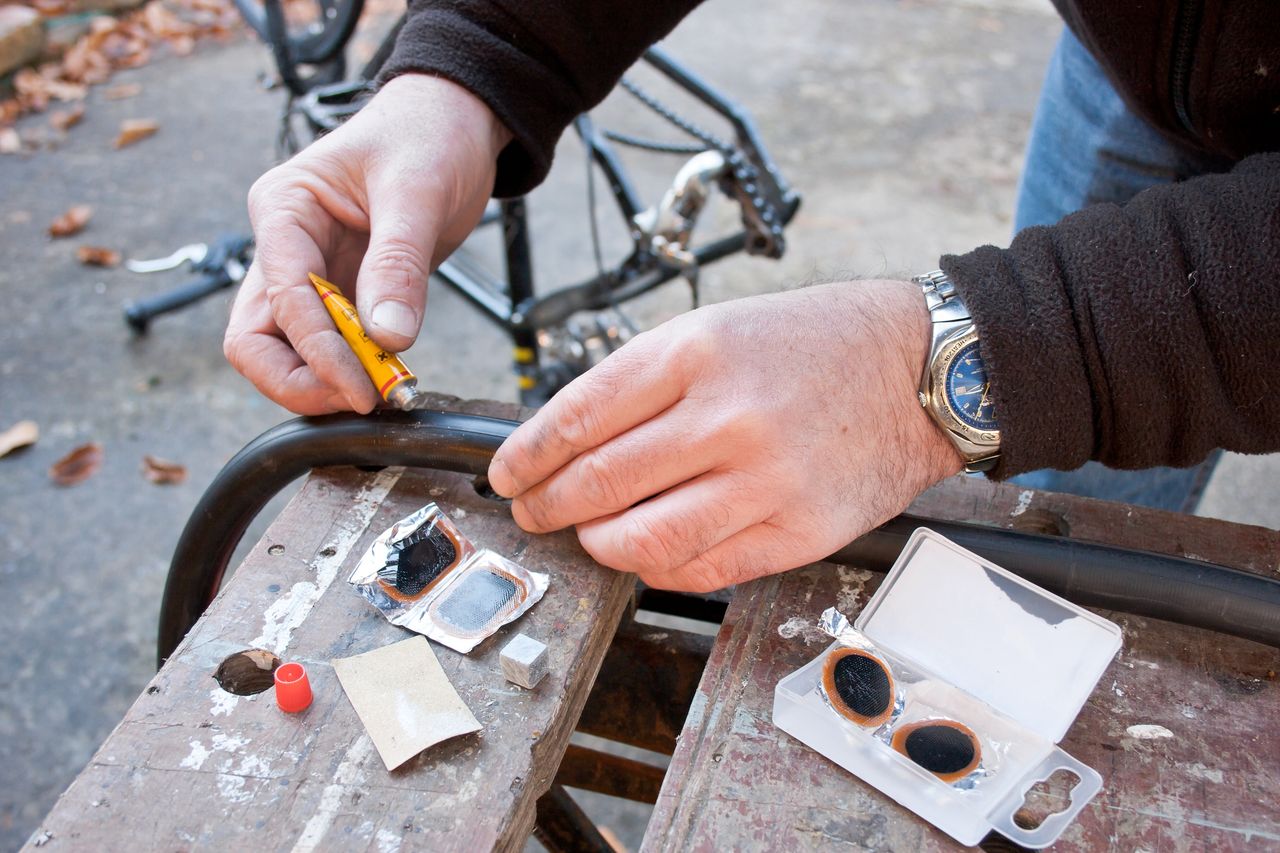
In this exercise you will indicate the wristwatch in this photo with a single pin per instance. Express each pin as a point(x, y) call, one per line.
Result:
point(954, 388)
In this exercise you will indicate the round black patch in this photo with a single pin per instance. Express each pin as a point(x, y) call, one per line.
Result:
point(863, 685)
point(939, 749)
point(421, 559)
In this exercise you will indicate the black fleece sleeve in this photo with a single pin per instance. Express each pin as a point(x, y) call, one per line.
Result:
point(536, 63)
point(1137, 335)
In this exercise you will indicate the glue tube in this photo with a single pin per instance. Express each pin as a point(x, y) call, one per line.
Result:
point(395, 382)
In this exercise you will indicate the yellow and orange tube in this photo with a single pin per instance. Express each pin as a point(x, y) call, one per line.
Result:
point(394, 380)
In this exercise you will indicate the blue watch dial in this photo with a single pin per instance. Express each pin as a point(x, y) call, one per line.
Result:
point(969, 391)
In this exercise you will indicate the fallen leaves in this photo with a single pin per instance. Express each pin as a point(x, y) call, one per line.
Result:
point(20, 434)
point(37, 88)
point(64, 120)
point(135, 130)
point(71, 222)
point(120, 92)
point(113, 43)
point(98, 256)
point(78, 465)
point(162, 472)
point(83, 462)
point(163, 23)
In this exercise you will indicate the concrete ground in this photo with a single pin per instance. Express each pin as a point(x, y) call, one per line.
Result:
point(902, 123)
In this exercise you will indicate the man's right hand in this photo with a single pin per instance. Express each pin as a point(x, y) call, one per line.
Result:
point(377, 204)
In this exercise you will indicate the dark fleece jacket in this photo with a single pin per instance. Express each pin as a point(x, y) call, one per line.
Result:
point(1138, 335)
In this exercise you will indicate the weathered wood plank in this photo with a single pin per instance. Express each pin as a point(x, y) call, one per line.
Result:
point(194, 767)
point(1241, 546)
point(736, 782)
point(645, 686)
point(606, 773)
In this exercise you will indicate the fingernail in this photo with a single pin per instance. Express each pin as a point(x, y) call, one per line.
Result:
point(500, 479)
point(524, 519)
point(394, 316)
point(359, 404)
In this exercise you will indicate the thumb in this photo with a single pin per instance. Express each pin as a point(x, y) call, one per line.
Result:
point(391, 287)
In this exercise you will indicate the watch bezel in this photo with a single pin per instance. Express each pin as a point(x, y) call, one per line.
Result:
point(945, 350)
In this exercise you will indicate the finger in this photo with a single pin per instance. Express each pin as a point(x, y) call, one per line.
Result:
point(286, 253)
point(279, 373)
point(674, 528)
point(759, 550)
point(644, 461)
point(254, 347)
point(628, 388)
point(392, 284)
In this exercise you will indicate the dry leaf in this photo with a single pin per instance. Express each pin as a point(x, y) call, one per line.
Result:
point(164, 23)
point(84, 62)
point(10, 111)
point(39, 87)
point(162, 471)
point(78, 465)
point(64, 120)
point(98, 256)
point(19, 435)
point(119, 93)
point(10, 141)
point(136, 129)
point(71, 222)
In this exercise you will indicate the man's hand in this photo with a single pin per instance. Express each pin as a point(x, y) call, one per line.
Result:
point(738, 440)
point(378, 203)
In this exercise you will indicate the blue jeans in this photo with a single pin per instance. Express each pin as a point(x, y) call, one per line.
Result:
point(1086, 147)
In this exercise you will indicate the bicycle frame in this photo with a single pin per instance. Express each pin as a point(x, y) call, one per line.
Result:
point(513, 304)
point(525, 312)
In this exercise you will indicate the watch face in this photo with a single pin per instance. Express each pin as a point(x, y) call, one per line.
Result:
point(968, 391)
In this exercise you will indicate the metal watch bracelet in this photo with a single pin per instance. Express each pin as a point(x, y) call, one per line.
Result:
point(952, 328)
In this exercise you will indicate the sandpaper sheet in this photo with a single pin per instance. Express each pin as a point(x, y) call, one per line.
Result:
point(404, 699)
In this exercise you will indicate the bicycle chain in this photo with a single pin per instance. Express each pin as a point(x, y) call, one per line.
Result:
point(762, 215)
point(655, 145)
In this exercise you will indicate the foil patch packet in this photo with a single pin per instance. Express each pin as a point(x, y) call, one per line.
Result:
point(425, 575)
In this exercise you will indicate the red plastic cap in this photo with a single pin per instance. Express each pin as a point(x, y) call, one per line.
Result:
point(293, 690)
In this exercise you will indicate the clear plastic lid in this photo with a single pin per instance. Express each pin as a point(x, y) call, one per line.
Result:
point(1028, 653)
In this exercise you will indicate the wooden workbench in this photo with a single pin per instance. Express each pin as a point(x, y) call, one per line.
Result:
point(194, 767)
point(737, 782)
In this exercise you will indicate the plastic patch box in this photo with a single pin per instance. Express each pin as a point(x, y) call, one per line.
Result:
point(951, 690)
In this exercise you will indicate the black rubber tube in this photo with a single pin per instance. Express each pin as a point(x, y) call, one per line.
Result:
point(1193, 593)
point(1176, 589)
point(446, 440)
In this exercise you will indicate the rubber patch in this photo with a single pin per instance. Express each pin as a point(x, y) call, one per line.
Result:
point(858, 686)
point(423, 574)
point(416, 562)
point(945, 748)
point(478, 599)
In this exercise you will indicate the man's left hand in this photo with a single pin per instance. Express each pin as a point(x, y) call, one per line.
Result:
point(738, 440)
